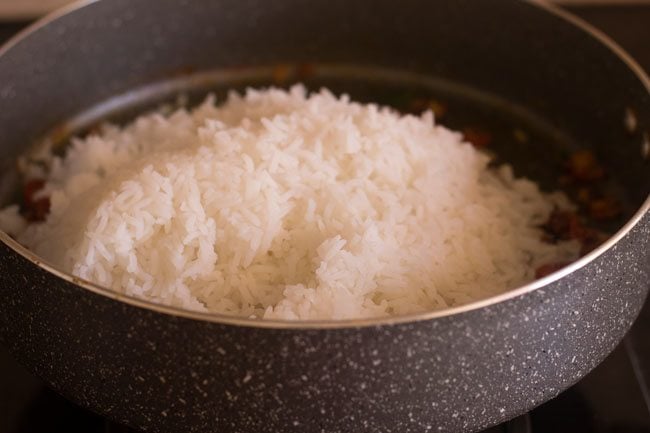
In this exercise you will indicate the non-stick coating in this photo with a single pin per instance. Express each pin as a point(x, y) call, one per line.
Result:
point(458, 373)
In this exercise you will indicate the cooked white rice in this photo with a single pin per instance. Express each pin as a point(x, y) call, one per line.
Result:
point(281, 205)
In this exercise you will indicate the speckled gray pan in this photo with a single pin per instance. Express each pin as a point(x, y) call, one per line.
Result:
point(163, 370)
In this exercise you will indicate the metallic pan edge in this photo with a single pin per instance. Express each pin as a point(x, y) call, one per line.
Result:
point(353, 323)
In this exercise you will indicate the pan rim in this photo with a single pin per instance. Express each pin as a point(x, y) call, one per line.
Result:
point(295, 325)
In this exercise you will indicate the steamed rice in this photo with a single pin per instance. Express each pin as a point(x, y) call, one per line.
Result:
point(286, 205)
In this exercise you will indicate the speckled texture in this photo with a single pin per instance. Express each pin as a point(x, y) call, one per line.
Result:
point(455, 374)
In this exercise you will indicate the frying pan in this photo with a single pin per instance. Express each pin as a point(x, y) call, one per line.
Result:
point(157, 368)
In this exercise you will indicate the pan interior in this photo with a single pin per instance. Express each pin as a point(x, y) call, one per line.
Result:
point(533, 146)
point(529, 143)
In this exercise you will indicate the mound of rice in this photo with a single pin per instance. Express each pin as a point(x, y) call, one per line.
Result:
point(286, 205)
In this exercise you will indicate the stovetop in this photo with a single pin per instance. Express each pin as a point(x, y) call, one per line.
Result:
point(614, 398)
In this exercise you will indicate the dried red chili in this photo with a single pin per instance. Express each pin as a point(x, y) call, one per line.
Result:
point(583, 166)
point(477, 137)
point(35, 209)
point(564, 225)
point(281, 73)
point(549, 268)
point(305, 71)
